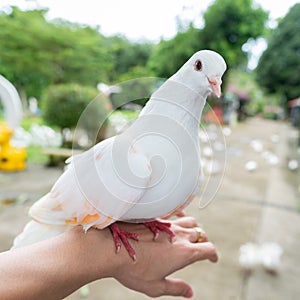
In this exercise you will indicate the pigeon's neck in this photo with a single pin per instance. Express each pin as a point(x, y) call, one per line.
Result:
point(178, 102)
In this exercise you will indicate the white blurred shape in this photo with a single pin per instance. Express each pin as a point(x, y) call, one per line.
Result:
point(267, 255)
point(203, 136)
point(249, 256)
point(218, 146)
point(212, 167)
point(273, 160)
point(270, 157)
point(256, 145)
point(21, 138)
point(83, 141)
point(45, 136)
point(251, 165)
point(270, 254)
point(275, 138)
point(207, 151)
point(293, 164)
point(67, 134)
point(108, 89)
point(118, 121)
point(212, 135)
point(226, 131)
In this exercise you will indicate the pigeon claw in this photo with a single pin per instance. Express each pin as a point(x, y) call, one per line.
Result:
point(157, 226)
point(121, 236)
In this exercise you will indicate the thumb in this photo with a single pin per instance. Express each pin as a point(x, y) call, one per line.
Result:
point(175, 287)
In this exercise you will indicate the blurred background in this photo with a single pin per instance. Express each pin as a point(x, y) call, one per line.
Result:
point(57, 56)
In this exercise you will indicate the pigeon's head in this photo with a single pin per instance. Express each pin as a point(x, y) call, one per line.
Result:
point(203, 72)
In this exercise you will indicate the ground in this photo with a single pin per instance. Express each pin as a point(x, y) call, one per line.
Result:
point(251, 206)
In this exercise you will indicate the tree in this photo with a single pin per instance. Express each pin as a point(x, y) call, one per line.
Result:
point(35, 53)
point(170, 55)
point(22, 62)
point(73, 105)
point(127, 57)
point(229, 24)
point(64, 103)
point(279, 66)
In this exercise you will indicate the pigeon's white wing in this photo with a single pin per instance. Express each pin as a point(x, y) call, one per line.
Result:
point(93, 190)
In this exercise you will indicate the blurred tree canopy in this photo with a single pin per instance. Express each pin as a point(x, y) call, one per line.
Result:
point(64, 103)
point(170, 55)
point(35, 53)
point(128, 57)
point(229, 24)
point(279, 67)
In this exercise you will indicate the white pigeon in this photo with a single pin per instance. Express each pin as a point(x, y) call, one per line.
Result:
point(149, 171)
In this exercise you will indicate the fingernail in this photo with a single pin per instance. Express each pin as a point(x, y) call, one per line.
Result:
point(188, 294)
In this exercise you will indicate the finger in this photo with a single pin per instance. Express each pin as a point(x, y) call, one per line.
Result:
point(198, 235)
point(180, 214)
point(174, 287)
point(202, 251)
point(194, 235)
point(188, 222)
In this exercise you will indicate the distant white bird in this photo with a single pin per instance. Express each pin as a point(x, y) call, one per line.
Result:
point(266, 255)
point(150, 170)
point(249, 256)
point(270, 257)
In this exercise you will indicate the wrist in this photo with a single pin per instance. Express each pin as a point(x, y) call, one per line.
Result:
point(96, 254)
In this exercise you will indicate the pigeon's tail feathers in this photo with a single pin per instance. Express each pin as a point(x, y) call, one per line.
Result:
point(61, 211)
point(35, 232)
point(48, 210)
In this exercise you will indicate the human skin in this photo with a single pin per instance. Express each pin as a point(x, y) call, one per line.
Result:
point(55, 268)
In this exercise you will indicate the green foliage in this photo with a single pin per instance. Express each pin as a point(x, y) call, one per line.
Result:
point(136, 91)
point(27, 122)
point(243, 83)
point(35, 53)
point(64, 103)
point(34, 154)
point(129, 115)
point(128, 57)
point(19, 49)
point(279, 67)
point(228, 26)
point(170, 55)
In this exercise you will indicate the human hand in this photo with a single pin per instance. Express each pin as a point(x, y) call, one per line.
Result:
point(160, 258)
point(70, 260)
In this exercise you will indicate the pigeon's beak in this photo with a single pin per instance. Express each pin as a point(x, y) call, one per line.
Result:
point(215, 84)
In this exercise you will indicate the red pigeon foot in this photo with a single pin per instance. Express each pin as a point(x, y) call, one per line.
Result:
point(120, 235)
point(157, 226)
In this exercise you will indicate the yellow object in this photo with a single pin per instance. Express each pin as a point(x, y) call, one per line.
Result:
point(11, 158)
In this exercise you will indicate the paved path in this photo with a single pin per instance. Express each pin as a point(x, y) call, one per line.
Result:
point(258, 206)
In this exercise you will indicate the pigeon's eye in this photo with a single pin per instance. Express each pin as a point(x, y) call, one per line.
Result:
point(198, 65)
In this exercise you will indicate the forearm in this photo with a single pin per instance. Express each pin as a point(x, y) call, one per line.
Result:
point(55, 268)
